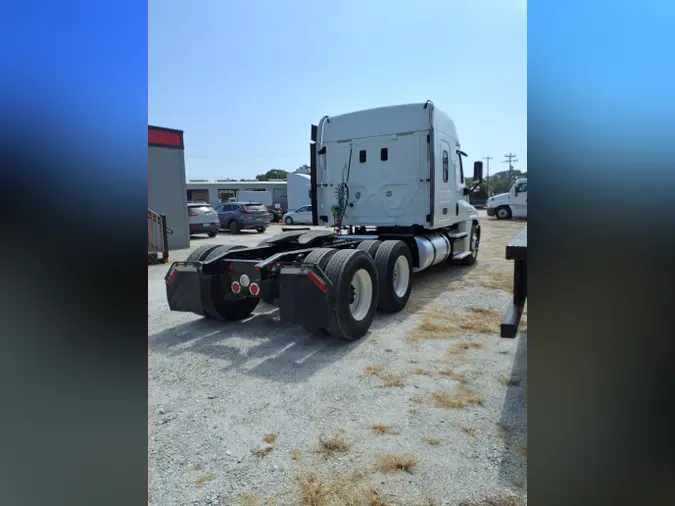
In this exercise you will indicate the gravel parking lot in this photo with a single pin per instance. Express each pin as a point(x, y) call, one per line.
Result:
point(429, 408)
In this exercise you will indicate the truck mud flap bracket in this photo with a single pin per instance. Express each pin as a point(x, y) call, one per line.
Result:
point(306, 295)
point(184, 286)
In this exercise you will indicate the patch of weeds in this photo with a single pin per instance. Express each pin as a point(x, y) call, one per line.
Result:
point(388, 462)
point(296, 455)
point(388, 377)
point(418, 399)
point(412, 411)
point(457, 400)
point(270, 438)
point(509, 381)
point(339, 490)
point(523, 450)
point(432, 441)
point(262, 452)
point(461, 348)
point(469, 431)
point(335, 443)
point(206, 478)
point(380, 428)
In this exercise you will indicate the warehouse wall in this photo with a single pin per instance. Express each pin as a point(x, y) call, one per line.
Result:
point(167, 192)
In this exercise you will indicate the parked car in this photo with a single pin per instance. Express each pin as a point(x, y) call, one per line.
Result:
point(237, 216)
point(203, 219)
point(301, 216)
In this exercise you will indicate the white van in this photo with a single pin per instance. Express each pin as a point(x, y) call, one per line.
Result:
point(510, 205)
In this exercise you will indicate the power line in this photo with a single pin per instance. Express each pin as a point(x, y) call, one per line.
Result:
point(510, 158)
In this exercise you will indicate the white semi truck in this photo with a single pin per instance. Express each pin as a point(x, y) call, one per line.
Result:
point(510, 205)
point(389, 188)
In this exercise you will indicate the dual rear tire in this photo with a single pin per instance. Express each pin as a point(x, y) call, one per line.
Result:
point(374, 276)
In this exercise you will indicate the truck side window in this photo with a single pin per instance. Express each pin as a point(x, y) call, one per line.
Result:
point(362, 156)
point(384, 154)
point(445, 166)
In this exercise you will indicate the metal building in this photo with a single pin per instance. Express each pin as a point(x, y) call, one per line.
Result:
point(167, 193)
point(219, 190)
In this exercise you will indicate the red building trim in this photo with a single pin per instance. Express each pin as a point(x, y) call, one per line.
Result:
point(165, 137)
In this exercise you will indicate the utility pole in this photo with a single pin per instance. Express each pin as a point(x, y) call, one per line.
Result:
point(510, 158)
point(488, 158)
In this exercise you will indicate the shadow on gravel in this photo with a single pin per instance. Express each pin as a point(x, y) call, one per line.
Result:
point(260, 346)
point(513, 470)
point(264, 347)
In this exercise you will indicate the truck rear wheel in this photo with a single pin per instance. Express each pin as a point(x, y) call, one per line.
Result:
point(370, 246)
point(355, 284)
point(228, 310)
point(320, 257)
point(394, 271)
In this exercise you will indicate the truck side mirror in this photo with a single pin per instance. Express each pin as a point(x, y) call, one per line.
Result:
point(478, 172)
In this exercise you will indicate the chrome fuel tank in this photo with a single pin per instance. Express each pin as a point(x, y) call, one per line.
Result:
point(432, 249)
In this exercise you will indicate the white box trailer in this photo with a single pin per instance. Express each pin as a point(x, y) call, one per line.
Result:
point(388, 185)
point(263, 197)
point(299, 191)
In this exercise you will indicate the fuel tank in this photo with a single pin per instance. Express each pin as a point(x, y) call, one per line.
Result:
point(432, 249)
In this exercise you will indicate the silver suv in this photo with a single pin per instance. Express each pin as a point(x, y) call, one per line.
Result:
point(237, 216)
point(203, 219)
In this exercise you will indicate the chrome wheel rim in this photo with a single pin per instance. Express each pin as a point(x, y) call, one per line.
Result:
point(361, 296)
point(401, 277)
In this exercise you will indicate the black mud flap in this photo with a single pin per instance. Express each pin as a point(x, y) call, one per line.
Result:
point(306, 296)
point(184, 287)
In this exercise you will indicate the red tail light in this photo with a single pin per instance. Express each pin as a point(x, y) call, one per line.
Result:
point(246, 211)
point(193, 214)
point(254, 289)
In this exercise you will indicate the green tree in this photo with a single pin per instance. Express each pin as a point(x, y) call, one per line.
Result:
point(272, 174)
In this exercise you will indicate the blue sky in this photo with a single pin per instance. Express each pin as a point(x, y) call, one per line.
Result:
point(245, 80)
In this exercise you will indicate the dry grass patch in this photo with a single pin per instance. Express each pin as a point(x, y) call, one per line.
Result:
point(388, 462)
point(388, 377)
point(335, 443)
point(253, 499)
point(262, 452)
point(462, 348)
point(438, 323)
point(206, 478)
point(503, 500)
point(418, 399)
point(341, 490)
point(432, 441)
point(449, 373)
point(380, 428)
point(456, 400)
point(497, 278)
point(296, 455)
point(270, 438)
point(469, 431)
